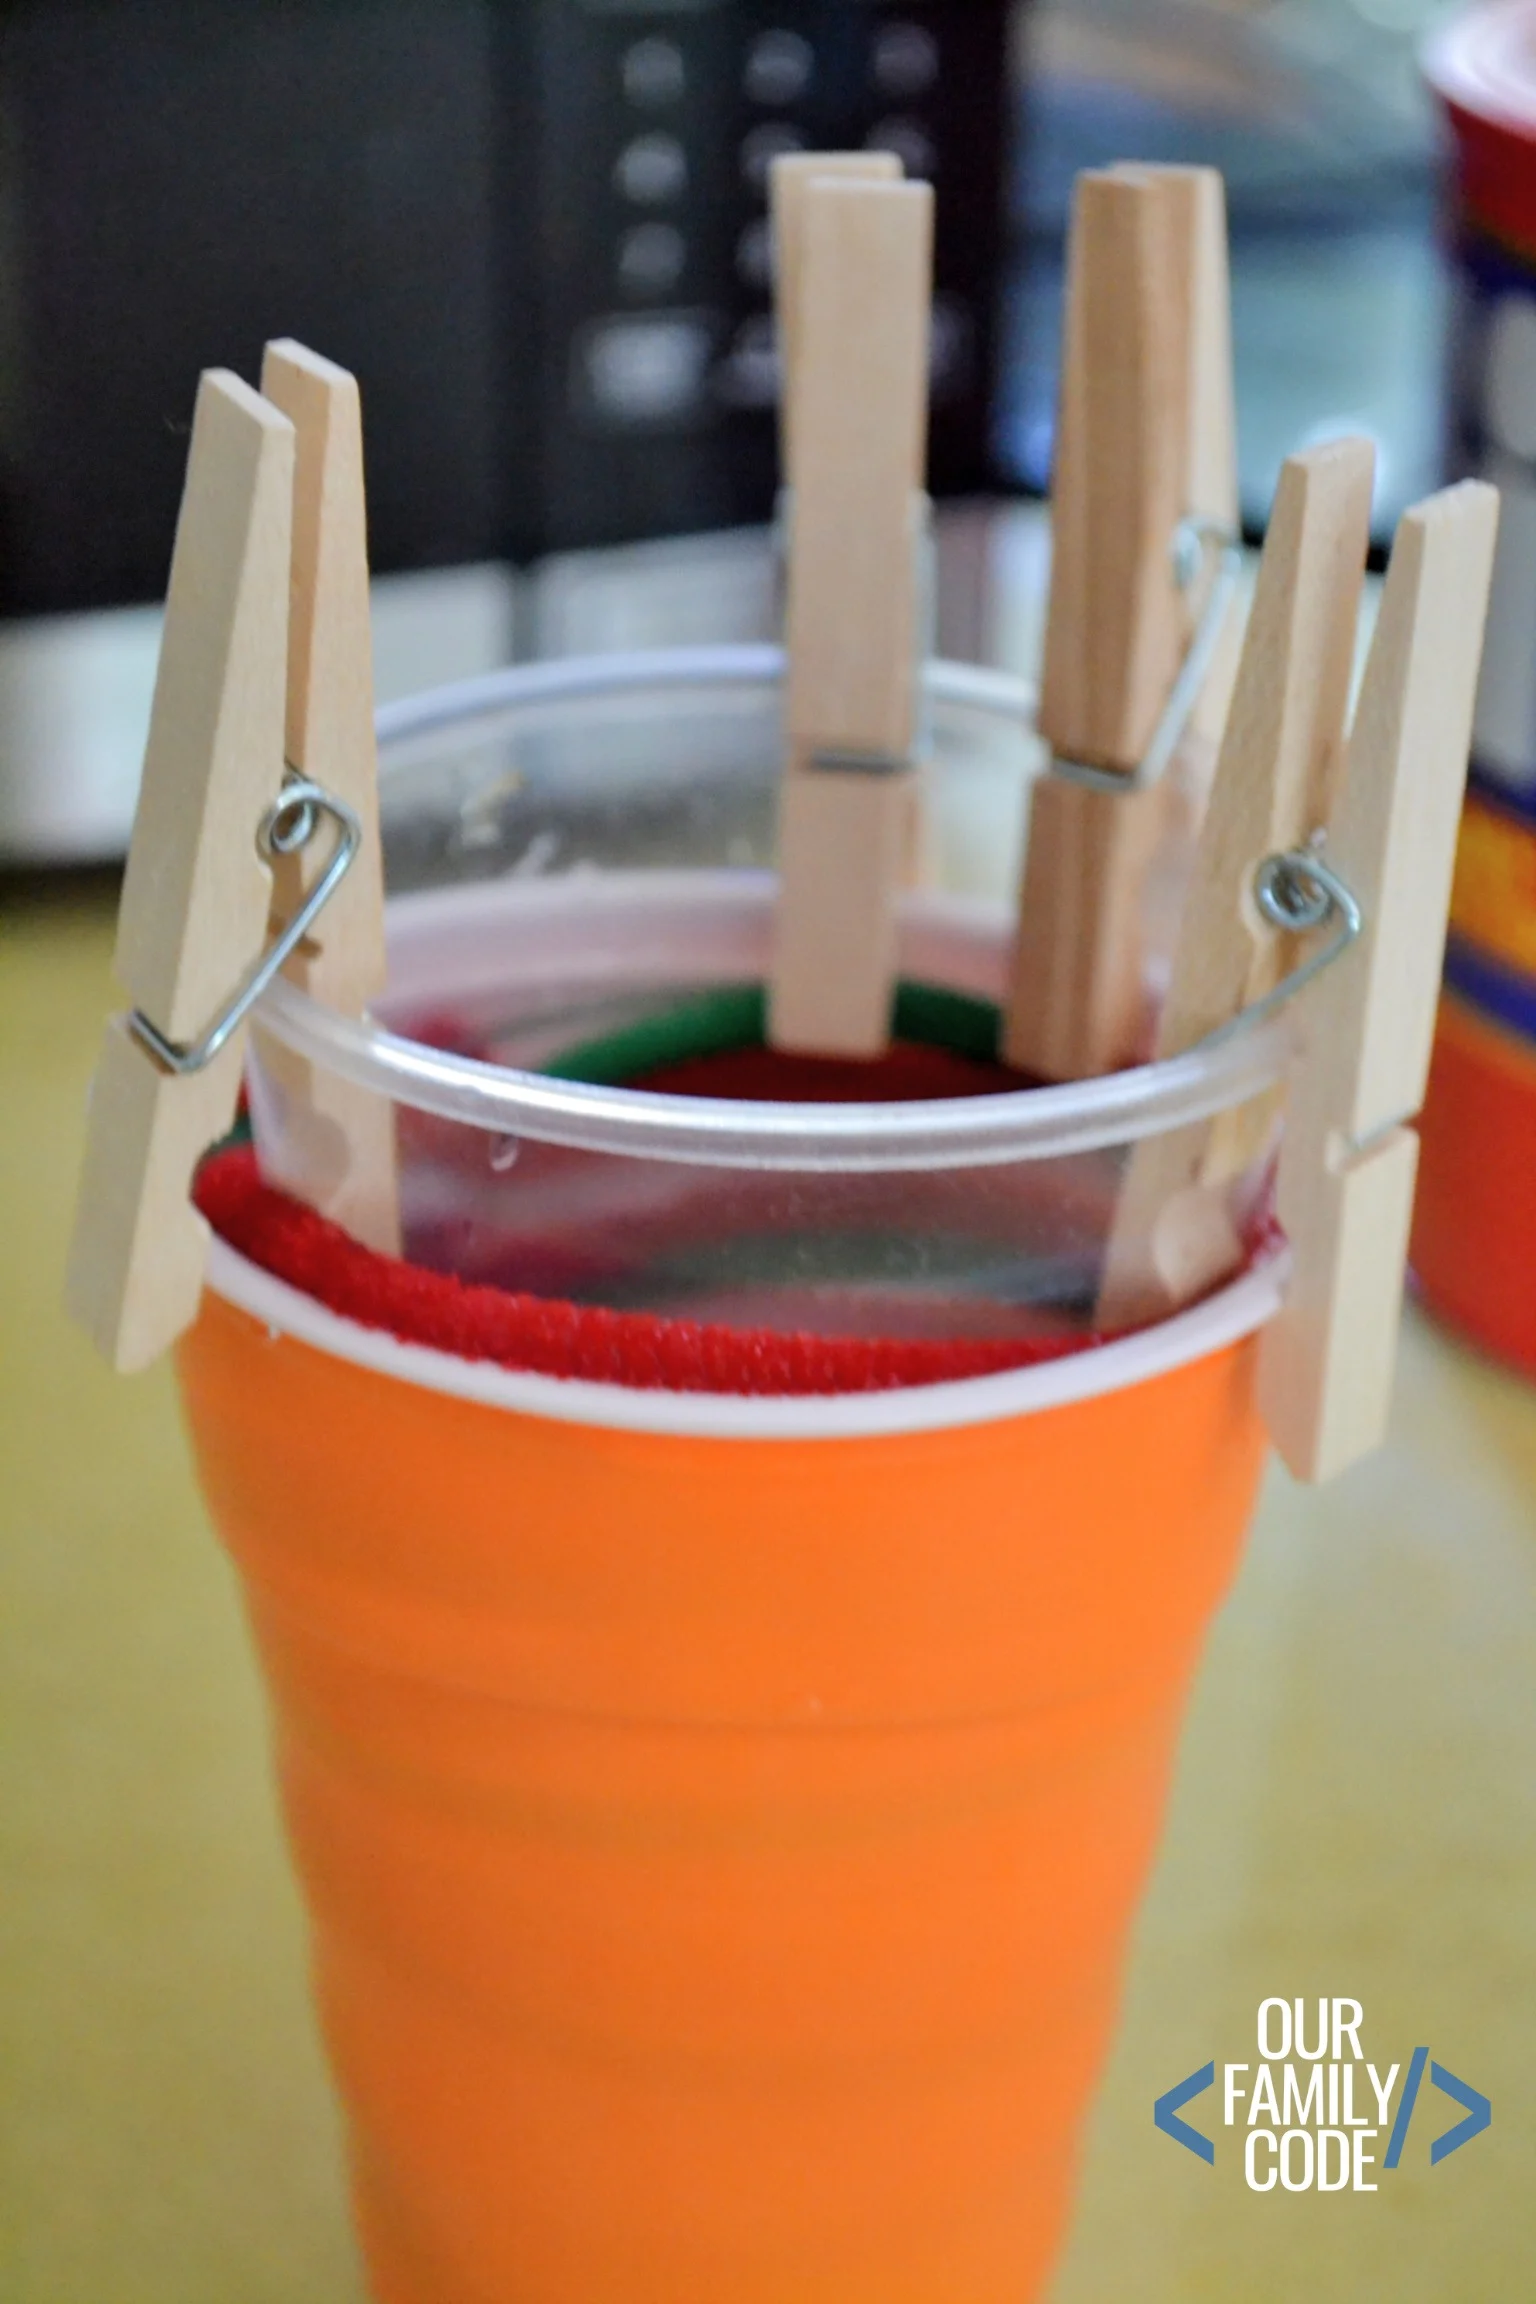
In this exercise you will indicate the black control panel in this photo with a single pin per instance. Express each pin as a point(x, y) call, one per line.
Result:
point(537, 229)
point(659, 379)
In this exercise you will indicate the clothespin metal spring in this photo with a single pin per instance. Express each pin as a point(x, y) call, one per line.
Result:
point(1297, 892)
point(1190, 548)
point(287, 826)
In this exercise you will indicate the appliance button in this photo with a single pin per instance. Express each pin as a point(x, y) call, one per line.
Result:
point(654, 72)
point(748, 376)
point(652, 171)
point(651, 259)
point(648, 371)
point(779, 68)
point(911, 143)
point(754, 255)
point(760, 147)
point(905, 61)
point(951, 348)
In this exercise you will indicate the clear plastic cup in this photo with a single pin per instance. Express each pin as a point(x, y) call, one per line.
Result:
point(579, 859)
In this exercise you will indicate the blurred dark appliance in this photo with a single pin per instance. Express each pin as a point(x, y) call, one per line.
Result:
point(535, 228)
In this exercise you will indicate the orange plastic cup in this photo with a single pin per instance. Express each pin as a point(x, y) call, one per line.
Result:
point(721, 1820)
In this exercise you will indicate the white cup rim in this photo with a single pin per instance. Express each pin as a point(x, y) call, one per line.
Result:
point(1238, 1310)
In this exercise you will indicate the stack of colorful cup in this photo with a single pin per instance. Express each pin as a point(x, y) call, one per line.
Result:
point(1474, 1241)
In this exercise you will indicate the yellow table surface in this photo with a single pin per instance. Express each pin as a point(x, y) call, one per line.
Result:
point(1355, 1814)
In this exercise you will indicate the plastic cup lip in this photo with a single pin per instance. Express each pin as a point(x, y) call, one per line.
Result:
point(576, 679)
point(1032, 1124)
point(1483, 62)
point(1236, 1311)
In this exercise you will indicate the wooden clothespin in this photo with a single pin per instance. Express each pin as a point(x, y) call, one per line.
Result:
point(1348, 1158)
point(1144, 442)
point(791, 173)
point(855, 257)
point(336, 1145)
point(264, 665)
point(1276, 774)
point(196, 895)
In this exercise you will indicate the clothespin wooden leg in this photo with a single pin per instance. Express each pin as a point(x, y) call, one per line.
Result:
point(196, 895)
point(1279, 762)
point(1347, 1156)
point(855, 262)
point(333, 1144)
point(1144, 367)
point(791, 176)
point(1197, 201)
